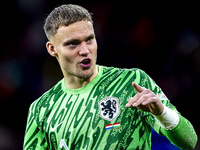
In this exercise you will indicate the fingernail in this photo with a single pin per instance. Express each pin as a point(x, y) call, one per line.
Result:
point(134, 105)
point(128, 105)
point(144, 103)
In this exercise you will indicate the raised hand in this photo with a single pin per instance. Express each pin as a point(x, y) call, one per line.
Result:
point(145, 100)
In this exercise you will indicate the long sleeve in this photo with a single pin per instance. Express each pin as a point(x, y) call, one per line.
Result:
point(34, 138)
point(183, 135)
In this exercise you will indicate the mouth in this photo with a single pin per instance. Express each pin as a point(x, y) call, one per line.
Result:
point(86, 63)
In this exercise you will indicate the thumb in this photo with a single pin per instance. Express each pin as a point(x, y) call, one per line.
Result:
point(138, 88)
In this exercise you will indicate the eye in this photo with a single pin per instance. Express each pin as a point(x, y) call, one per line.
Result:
point(72, 44)
point(89, 39)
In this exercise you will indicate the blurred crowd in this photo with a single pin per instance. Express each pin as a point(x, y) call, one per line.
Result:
point(162, 39)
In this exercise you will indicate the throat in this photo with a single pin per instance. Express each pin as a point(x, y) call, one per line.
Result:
point(76, 83)
point(79, 81)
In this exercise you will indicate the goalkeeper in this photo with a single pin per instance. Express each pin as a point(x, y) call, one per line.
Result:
point(96, 107)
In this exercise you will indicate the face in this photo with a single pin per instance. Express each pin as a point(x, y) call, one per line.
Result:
point(75, 48)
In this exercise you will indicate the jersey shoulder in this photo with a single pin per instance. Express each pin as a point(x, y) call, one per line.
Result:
point(107, 70)
point(123, 75)
point(49, 97)
point(54, 90)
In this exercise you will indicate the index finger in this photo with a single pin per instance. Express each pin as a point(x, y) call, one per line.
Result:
point(137, 87)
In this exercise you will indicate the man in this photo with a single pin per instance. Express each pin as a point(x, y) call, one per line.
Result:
point(97, 107)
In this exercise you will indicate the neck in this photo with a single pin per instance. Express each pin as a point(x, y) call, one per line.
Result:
point(75, 82)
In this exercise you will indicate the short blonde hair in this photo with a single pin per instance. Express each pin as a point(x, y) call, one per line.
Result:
point(65, 15)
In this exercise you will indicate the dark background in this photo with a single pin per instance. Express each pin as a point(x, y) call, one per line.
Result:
point(160, 38)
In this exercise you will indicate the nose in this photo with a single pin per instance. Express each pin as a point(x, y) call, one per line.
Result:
point(84, 51)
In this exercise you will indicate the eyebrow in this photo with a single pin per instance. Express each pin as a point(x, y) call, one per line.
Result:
point(70, 41)
point(67, 42)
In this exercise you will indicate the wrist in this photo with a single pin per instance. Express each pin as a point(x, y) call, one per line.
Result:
point(157, 113)
point(168, 119)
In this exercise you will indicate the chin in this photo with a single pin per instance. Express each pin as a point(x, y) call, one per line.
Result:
point(85, 76)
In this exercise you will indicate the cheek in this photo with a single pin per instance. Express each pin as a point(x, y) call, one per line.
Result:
point(95, 43)
point(94, 48)
point(66, 58)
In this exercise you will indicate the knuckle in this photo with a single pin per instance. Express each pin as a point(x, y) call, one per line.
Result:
point(145, 96)
point(148, 91)
point(151, 99)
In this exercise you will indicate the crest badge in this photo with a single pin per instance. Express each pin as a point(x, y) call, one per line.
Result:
point(109, 108)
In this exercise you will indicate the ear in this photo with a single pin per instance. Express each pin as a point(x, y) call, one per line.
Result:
point(51, 49)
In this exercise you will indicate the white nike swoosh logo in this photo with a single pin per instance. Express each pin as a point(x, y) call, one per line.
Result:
point(53, 129)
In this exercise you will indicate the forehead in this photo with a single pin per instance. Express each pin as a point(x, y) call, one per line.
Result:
point(77, 30)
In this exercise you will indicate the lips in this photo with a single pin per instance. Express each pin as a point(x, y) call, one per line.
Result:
point(86, 63)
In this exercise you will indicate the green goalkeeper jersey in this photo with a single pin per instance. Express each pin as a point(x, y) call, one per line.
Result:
point(95, 116)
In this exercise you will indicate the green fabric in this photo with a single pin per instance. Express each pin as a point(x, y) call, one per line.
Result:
point(183, 135)
point(69, 118)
